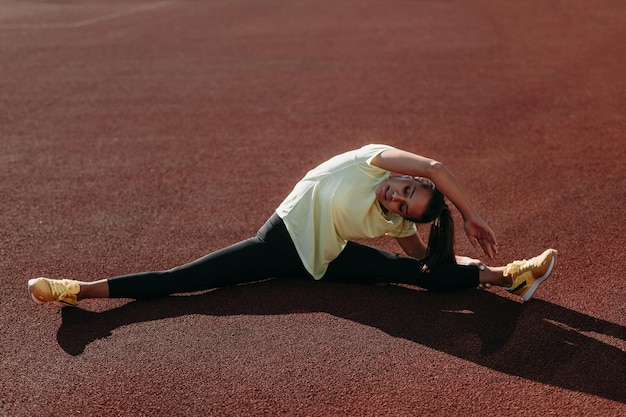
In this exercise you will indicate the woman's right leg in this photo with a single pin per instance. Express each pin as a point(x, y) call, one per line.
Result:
point(247, 261)
point(236, 264)
point(269, 254)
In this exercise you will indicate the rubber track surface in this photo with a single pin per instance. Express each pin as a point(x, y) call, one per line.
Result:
point(139, 135)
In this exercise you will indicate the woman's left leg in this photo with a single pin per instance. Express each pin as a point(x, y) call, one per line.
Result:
point(364, 264)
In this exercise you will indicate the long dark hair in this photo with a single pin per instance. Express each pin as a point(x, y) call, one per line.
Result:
point(440, 248)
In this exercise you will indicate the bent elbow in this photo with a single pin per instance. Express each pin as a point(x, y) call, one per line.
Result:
point(435, 168)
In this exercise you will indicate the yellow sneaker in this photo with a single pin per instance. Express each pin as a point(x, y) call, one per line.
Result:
point(528, 274)
point(60, 292)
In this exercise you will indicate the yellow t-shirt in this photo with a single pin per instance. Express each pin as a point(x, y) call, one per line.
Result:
point(336, 202)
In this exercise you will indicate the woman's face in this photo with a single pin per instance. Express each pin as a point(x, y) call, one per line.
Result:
point(403, 196)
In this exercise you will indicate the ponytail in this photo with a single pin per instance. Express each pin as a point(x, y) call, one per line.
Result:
point(440, 248)
point(441, 240)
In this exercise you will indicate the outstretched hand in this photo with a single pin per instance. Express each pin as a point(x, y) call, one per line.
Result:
point(480, 234)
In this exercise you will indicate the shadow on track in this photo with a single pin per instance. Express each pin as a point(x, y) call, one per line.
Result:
point(537, 340)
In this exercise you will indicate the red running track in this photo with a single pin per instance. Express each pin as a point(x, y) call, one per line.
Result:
point(139, 135)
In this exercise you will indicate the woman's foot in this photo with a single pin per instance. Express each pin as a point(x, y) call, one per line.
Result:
point(58, 292)
point(528, 274)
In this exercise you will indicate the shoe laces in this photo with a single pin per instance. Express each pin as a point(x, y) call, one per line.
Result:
point(59, 289)
point(517, 267)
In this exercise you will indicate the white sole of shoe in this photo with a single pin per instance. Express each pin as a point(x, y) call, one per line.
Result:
point(539, 280)
point(31, 284)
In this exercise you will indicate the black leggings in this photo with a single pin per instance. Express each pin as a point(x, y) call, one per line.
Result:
point(272, 254)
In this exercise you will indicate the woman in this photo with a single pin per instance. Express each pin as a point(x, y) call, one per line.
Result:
point(366, 193)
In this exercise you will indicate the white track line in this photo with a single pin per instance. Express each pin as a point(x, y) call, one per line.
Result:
point(85, 22)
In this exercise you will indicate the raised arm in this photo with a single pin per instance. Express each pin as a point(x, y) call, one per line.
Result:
point(407, 163)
